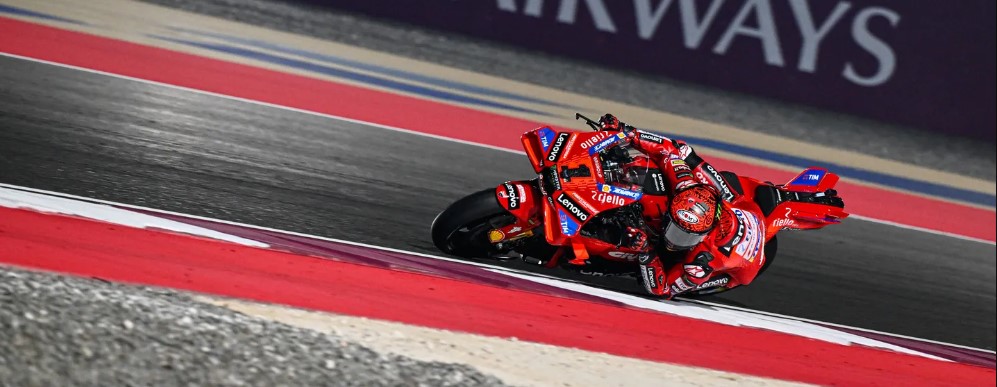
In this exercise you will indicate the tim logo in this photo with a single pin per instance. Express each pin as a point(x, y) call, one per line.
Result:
point(546, 136)
point(809, 177)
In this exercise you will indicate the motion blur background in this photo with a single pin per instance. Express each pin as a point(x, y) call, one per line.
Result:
point(910, 84)
point(902, 80)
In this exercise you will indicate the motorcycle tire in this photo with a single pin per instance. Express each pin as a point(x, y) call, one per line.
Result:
point(461, 229)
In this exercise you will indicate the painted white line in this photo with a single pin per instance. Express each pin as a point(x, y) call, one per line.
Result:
point(540, 278)
point(408, 131)
point(47, 203)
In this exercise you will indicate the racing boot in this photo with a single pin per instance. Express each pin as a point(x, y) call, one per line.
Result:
point(652, 276)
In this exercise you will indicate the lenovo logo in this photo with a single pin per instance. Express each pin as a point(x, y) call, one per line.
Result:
point(572, 207)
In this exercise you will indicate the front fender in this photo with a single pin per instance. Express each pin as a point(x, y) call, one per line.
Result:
point(521, 198)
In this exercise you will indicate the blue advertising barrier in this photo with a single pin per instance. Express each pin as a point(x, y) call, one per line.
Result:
point(929, 64)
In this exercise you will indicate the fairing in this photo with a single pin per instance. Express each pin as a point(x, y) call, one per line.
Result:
point(584, 174)
point(579, 179)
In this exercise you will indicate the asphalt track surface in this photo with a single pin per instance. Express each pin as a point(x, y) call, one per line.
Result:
point(137, 143)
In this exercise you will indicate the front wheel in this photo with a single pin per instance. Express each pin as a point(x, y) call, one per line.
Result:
point(462, 228)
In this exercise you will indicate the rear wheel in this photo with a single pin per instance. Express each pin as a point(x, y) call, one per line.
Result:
point(462, 228)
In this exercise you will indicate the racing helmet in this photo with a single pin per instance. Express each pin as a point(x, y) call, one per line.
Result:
point(693, 212)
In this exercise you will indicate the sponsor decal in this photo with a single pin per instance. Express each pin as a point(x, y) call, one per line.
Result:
point(659, 182)
point(645, 258)
point(719, 281)
point(598, 167)
point(680, 285)
point(683, 184)
point(684, 151)
point(845, 24)
point(809, 178)
point(602, 145)
point(652, 138)
point(751, 242)
point(726, 248)
point(551, 181)
point(546, 137)
point(626, 256)
point(635, 195)
point(583, 203)
point(682, 168)
point(593, 140)
point(573, 208)
point(694, 270)
point(649, 278)
point(719, 182)
point(675, 162)
point(568, 226)
point(688, 216)
point(571, 143)
point(495, 236)
point(784, 223)
point(606, 198)
point(512, 196)
point(683, 175)
point(558, 148)
point(700, 267)
point(515, 230)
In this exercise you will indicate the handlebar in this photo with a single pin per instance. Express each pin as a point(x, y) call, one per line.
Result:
point(593, 124)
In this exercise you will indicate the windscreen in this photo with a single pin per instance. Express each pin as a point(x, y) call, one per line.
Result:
point(625, 167)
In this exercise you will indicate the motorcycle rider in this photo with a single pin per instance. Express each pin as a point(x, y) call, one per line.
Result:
point(715, 233)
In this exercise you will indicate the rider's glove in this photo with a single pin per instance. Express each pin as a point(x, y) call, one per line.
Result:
point(635, 238)
point(610, 122)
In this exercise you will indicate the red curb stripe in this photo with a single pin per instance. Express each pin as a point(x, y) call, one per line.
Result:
point(96, 249)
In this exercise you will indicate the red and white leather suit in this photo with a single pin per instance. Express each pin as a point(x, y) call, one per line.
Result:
point(732, 252)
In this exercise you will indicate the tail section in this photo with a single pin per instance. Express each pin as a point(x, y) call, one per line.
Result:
point(807, 202)
point(811, 180)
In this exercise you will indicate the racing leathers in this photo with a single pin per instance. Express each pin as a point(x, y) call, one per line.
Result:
point(731, 254)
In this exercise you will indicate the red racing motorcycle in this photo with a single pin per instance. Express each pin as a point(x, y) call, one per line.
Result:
point(590, 187)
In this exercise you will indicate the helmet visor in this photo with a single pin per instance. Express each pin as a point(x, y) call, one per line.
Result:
point(679, 239)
